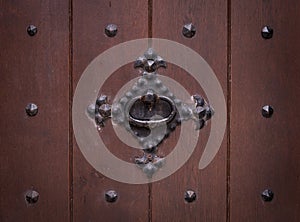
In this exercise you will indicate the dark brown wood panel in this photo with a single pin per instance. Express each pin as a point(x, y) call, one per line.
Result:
point(265, 152)
point(89, 20)
point(34, 150)
point(210, 41)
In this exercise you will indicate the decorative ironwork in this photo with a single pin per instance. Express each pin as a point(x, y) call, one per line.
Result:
point(149, 162)
point(150, 112)
point(150, 61)
point(100, 111)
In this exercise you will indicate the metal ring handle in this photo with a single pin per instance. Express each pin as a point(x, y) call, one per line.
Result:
point(151, 122)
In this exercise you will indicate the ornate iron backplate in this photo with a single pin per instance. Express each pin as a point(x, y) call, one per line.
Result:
point(150, 112)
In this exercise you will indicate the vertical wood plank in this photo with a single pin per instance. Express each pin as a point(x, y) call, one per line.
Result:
point(34, 150)
point(210, 41)
point(265, 152)
point(89, 20)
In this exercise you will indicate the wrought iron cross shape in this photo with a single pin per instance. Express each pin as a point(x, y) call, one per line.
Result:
point(150, 112)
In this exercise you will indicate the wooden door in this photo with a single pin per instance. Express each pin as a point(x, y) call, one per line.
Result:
point(45, 175)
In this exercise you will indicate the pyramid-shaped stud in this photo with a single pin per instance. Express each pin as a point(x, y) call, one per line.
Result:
point(190, 196)
point(31, 109)
point(150, 66)
point(149, 169)
point(267, 32)
point(267, 111)
point(150, 61)
point(105, 110)
point(189, 30)
point(111, 30)
point(267, 195)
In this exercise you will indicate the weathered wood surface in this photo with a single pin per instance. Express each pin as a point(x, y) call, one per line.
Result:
point(34, 150)
point(265, 152)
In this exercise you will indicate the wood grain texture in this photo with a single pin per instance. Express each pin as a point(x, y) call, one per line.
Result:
point(34, 150)
point(210, 41)
point(89, 20)
point(265, 152)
